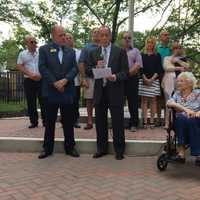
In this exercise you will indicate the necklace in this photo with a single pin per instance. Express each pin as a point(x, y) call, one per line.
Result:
point(184, 97)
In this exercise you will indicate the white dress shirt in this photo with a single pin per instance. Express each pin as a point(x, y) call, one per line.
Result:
point(108, 49)
point(77, 78)
point(107, 56)
point(29, 60)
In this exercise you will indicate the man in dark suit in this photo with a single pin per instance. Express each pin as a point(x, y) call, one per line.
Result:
point(57, 64)
point(109, 93)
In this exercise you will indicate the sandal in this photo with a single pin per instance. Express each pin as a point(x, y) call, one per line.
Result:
point(145, 126)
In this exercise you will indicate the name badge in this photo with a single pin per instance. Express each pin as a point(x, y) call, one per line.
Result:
point(53, 50)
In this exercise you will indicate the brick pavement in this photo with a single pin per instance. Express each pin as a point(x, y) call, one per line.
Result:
point(60, 177)
point(17, 127)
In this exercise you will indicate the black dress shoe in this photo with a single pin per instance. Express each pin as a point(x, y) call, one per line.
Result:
point(99, 154)
point(119, 157)
point(76, 125)
point(73, 152)
point(33, 125)
point(43, 155)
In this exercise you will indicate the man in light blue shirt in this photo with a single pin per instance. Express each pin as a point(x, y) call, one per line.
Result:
point(87, 82)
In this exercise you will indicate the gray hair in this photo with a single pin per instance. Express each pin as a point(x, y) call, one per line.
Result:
point(190, 77)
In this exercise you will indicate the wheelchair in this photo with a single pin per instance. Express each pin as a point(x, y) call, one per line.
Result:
point(170, 147)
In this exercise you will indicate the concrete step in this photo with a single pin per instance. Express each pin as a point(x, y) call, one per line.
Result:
point(83, 115)
point(133, 147)
point(83, 112)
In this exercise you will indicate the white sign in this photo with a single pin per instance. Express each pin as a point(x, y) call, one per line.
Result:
point(102, 72)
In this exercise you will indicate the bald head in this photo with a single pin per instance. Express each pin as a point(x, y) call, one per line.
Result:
point(30, 42)
point(58, 35)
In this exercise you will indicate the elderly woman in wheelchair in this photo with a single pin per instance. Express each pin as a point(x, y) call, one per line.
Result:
point(186, 102)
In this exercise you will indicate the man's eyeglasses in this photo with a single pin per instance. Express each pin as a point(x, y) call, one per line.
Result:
point(33, 42)
point(127, 38)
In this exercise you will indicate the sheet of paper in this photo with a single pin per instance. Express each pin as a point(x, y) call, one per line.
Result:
point(102, 72)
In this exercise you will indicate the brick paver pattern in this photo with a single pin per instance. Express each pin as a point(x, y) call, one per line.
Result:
point(60, 177)
point(17, 127)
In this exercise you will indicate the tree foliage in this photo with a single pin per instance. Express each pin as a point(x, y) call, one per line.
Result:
point(11, 47)
point(8, 52)
point(9, 11)
point(79, 16)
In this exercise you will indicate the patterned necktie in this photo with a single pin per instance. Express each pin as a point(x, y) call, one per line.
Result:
point(105, 55)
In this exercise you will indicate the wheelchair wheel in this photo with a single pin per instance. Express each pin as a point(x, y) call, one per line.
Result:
point(162, 162)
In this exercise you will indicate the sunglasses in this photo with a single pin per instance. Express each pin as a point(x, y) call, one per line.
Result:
point(33, 42)
point(127, 38)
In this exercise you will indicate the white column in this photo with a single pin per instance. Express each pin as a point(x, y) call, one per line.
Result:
point(131, 17)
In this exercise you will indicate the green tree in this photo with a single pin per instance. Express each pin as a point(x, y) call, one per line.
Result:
point(40, 16)
point(183, 25)
point(11, 47)
point(9, 11)
point(183, 22)
point(8, 53)
point(115, 13)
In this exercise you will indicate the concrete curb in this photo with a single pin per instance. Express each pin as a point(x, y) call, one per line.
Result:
point(133, 147)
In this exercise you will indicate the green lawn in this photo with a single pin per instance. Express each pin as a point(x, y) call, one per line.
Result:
point(12, 107)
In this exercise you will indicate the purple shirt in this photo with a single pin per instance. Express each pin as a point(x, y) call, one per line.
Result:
point(134, 57)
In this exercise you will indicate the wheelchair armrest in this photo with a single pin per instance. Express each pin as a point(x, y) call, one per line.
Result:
point(172, 118)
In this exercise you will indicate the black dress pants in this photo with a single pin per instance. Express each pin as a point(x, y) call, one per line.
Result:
point(67, 117)
point(131, 92)
point(101, 119)
point(76, 103)
point(32, 91)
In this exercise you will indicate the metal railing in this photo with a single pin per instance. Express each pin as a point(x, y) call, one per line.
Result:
point(12, 87)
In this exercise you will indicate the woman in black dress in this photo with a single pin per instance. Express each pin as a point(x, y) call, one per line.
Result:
point(149, 87)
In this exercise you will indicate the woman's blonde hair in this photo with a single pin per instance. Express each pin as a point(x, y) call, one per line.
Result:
point(150, 39)
point(190, 77)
